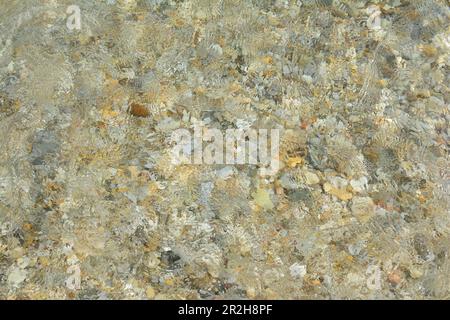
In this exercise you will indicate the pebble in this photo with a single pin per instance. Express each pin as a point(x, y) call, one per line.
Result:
point(363, 208)
point(139, 110)
point(395, 277)
point(262, 199)
point(16, 277)
point(359, 185)
point(150, 293)
point(341, 194)
point(297, 270)
point(311, 178)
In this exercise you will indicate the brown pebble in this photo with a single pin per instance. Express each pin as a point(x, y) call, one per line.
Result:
point(395, 277)
point(138, 110)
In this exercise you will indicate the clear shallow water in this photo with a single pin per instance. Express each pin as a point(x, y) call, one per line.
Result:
point(91, 205)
